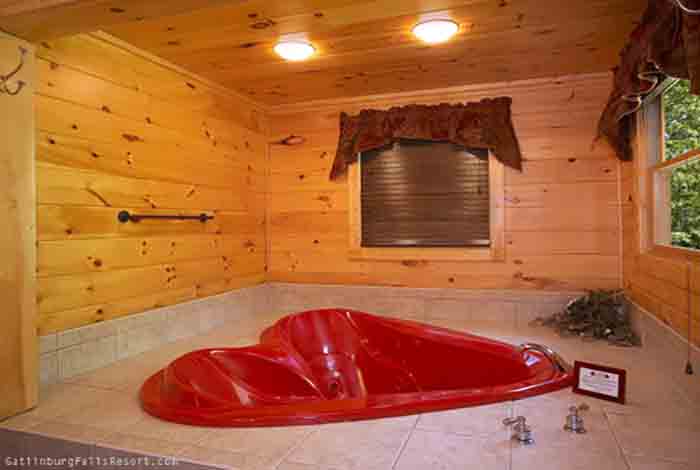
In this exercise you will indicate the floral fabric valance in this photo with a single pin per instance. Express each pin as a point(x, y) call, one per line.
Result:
point(486, 124)
point(665, 44)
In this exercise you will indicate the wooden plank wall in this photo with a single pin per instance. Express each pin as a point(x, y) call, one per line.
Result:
point(562, 211)
point(19, 358)
point(119, 130)
point(662, 285)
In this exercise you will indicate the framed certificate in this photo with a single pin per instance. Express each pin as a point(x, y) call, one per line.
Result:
point(606, 383)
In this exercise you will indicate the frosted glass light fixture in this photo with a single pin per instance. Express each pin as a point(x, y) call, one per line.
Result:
point(435, 31)
point(294, 50)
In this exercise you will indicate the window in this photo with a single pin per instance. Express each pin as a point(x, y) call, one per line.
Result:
point(672, 125)
point(428, 200)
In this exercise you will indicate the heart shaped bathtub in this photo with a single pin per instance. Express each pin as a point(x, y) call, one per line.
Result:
point(336, 365)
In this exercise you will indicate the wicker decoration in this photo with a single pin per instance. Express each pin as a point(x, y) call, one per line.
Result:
point(600, 315)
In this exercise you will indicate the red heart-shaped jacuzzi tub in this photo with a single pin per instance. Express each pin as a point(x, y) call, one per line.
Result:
point(335, 365)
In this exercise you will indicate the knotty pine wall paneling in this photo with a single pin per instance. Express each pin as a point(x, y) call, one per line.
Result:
point(562, 220)
point(117, 129)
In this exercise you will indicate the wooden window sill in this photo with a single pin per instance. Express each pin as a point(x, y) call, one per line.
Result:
point(425, 254)
point(675, 252)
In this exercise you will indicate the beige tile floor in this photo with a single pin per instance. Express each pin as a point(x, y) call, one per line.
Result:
point(659, 428)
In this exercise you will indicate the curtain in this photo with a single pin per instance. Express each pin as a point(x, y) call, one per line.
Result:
point(666, 43)
point(486, 124)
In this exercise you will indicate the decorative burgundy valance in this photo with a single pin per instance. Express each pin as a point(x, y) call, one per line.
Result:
point(665, 44)
point(486, 124)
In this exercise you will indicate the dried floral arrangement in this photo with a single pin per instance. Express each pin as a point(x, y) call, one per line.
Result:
point(600, 314)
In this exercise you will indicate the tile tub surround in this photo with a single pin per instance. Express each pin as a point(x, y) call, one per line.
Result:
point(658, 429)
point(74, 352)
point(509, 308)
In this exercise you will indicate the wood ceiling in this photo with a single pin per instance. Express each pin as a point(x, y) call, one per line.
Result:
point(366, 47)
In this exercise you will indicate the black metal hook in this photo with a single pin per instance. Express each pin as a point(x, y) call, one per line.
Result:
point(126, 216)
point(4, 79)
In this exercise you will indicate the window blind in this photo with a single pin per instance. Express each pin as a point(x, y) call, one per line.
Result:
point(426, 194)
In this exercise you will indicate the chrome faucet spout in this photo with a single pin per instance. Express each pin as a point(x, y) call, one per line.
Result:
point(553, 356)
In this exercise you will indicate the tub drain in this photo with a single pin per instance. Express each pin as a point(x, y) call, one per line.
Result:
point(334, 388)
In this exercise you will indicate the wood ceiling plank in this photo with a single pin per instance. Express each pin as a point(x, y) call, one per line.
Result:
point(223, 26)
point(40, 20)
point(411, 77)
point(13, 7)
point(576, 49)
point(196, 32)
point(363, 46)
point(239, 41)
point(603, 31)
point(385, 53)
point(366, 47)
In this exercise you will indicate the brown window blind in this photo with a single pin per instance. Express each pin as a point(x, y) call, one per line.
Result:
point(425, 194)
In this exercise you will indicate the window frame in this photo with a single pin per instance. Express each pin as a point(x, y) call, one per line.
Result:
point(494, 252)
point(653, 172)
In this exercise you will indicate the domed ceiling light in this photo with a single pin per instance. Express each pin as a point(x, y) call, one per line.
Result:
point(435, 31)
point(294, 50)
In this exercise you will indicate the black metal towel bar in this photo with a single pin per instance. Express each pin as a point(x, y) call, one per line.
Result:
point(126, 216)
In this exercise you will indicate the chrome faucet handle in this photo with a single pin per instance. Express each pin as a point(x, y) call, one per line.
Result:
point(574, 421)
point(573, 409)
point(521, 431)
point(517, 421)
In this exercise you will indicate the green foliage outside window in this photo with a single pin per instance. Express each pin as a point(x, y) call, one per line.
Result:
point(682, 133)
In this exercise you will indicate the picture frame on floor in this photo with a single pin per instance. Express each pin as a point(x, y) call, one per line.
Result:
point(599, 381)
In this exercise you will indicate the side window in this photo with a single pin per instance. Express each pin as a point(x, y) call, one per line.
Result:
point(671, 125)
point(679, 171)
